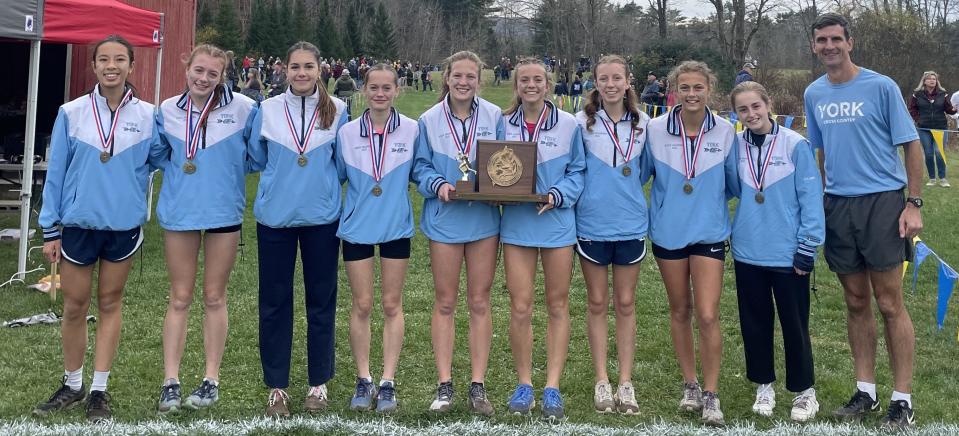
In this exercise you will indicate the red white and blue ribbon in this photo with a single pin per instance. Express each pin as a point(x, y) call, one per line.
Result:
point(628, 152)
point(301, 143)
point(471, 135)
point(689, 165)
point(378, 157)
point(539, 125)
point(107, 139)
point(192, 132)
point(758, 180)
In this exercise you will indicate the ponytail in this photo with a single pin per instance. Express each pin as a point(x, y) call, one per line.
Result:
point(594, 101)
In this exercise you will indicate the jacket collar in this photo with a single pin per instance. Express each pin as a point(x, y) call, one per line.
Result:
point(672, 123)
point(449, 106)
point(552, 119)
point(292, 99)
point(102, 101)
point(749, 138)
point(627, 116)
point(225, 99)
point(392, 123)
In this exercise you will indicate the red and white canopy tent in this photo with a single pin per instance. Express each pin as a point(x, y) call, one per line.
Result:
point(68, 22)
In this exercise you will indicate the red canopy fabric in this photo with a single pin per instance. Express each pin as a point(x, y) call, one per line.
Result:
point(89, 21)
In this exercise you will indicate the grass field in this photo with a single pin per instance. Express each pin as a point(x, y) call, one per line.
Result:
point(31, 359)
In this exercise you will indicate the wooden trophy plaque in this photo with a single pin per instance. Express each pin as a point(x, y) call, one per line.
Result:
point(506, 172)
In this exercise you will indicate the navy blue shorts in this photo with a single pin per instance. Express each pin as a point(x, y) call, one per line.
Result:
point(396, 249)
point(85, 246)
point(716, 250)
point(628, 252)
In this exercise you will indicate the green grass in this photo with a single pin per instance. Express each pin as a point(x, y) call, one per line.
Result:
point(32, 364)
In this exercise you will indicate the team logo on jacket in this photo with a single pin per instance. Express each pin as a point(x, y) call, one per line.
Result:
point(712, 147)
point(225, 119)
point(399, 147)
point(482, 131)
point(131, 127)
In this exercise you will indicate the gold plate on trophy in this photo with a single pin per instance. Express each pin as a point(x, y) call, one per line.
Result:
point(504, 168)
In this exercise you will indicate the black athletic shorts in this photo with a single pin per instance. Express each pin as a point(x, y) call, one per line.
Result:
point(628, 252)
point(85, 246)
point(396, 249)
point(863, 232)
point(715, 250)
point(227, 229)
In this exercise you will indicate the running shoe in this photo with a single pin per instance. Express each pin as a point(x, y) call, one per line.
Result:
point(931, 182)
point(860, 405)
point(444, 397)
point(603, 400)
point(899, 417)
point(626, 399)
point(63, 399)
point(169, 398)
point(944, 183)
point(363, 395)
point(98, 406)
point(204, 396)
point(553, 408)
point(316, 399)
point(386, 398)
point(277, 403)
point(712, 414)
point(805, 406)
point(477, 402)
point(522, 402)
point(692, 400)
point(765, 400)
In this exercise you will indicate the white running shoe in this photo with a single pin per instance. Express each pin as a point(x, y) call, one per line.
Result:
point(944, 183)
point(712, 414)
point(765, 400)
point(931, 182)
point(692, 400)
point(626, 399)
point(603, 397)
point(805, 406)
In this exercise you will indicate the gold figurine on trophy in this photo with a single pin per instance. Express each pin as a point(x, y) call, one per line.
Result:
point(465, 167)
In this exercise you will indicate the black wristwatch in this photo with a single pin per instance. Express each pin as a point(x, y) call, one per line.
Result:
point(916, 201)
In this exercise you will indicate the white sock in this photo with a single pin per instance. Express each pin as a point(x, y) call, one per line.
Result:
point(763, 386)
point(74, 379)
point(214, 382)
point(100, 381)
point(384, 381)
point(367, 379)
point(896, 396)
point(869, 388)
point(171, 381)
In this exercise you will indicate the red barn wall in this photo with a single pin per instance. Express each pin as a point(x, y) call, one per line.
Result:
point(179, 23)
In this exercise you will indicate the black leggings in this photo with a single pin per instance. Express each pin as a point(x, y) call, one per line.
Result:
point(755, 287)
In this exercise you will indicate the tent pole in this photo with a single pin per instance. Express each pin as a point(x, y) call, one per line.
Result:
point(26, 181)
point(156, 103)
point(66, 76)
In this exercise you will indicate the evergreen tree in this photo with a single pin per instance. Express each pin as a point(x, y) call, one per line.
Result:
point(283, 33)
point(382, 42)
point(259, 33)
point(301, 22)
point(353, 38)
point(327, 38)
point(204, 14)
point(227, 26)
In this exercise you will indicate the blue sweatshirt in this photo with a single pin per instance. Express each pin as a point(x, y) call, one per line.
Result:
point(679, 219)
point(369, 218)
point(613, 205)
point(80, 189)
point(291, 195)
point(215, 194)
point(435, 163)
point(560, 167)
point(790, 217)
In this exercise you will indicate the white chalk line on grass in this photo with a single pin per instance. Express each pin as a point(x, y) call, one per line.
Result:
point(385, 426)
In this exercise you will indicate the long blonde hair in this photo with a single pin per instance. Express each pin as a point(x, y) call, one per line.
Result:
point(448, 68)
point(922, 82)
point(517, 100)
point(594, 101)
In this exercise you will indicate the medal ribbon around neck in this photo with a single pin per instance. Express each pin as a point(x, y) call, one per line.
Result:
point(193, 132)
point(378, 158)
point(301, 143)
point(612, 136)
point(470, 137)
point(690, 167)
point(107, 140)
point(539, 125)
point(758, 180)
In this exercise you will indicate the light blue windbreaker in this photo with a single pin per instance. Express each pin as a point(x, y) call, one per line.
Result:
point(678, 219)
point(291, 195)
point(80, 190)
point(560, 167)
point(215, 195)
point(790, 218)
point(612, 206)
point(435, 163)
point(368, 218)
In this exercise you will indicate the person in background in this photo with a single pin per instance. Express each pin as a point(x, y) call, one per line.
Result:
point(929, 104)
point(278, 79)
point(746, 74)
point(651, 94)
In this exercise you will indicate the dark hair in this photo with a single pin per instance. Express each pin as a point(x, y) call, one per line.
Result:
point(831, 19)
point(327, 108)
point(122, 41)
point(594, 101)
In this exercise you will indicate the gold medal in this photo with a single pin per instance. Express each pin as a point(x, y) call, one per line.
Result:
point(627, 171)
point(189, 168)
point(687, 188)
point(104, 157)
point(760, 198)
point(301, 161)
point(377, 191)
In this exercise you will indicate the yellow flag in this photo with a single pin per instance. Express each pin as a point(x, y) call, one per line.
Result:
point(905, 266)
point(938, 135)
point(739, 126)
point(804, 122)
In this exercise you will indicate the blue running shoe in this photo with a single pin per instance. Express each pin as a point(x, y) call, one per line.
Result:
point(386, 398)
point(363, 397)
point(552, 405)
point(522, 402)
